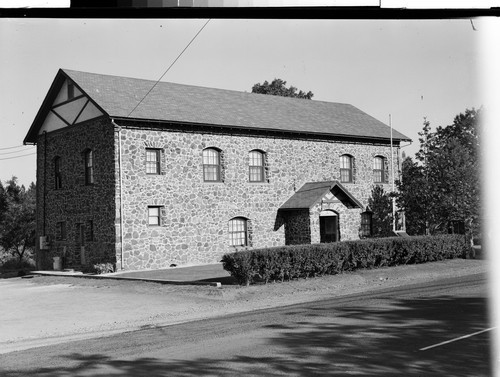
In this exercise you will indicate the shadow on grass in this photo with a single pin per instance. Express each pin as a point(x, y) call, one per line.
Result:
point(316, 340)
point(225, 280)
point(13, 274)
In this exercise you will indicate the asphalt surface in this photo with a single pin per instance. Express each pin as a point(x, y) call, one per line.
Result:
point(50, 310)
point(383, 333)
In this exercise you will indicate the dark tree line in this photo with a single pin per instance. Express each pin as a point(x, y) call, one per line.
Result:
point(17, 219)
point(440, 191)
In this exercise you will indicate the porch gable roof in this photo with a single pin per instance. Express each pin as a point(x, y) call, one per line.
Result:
point(312, 192)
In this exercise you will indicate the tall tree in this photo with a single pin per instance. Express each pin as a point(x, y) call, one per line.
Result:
point(450, 172)
point(278, 88)
point(17, 219)
point(412, 196)
point(380, 204)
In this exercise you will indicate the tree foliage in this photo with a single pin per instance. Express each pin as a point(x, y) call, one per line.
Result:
point(412, 196)
point(17, 219)
point(444, 184)
point(380, 204)
point(278, 88)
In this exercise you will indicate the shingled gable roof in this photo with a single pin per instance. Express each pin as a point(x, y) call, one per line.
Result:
point(170, 102)
point(312, 192)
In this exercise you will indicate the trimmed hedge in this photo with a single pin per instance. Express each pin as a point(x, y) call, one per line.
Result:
point(296, 261)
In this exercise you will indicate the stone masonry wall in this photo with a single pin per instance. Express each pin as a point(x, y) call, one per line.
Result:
point(195, 214)
point(92, 206)
point(297, 227)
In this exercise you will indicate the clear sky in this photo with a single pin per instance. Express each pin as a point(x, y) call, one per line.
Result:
point(406, 68)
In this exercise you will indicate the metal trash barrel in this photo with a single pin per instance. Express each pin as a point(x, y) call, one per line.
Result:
point(57, 263)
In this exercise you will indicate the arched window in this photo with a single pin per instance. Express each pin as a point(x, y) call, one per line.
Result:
point(379, 165)
point(256, 166)
point(211, 165)
point(346, 163)
point(57, 173)
point(238, 231)
point(89, 167)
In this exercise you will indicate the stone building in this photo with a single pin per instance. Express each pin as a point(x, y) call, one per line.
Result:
point(144, 175)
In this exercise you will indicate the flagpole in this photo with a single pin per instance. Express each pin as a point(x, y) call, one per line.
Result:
point(392, 174)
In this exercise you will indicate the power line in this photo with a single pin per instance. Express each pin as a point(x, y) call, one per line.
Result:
point(17, 146)
point(10, 158)
point(171, 65)
point(30, 148)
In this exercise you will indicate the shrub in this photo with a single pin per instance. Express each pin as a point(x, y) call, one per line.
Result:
point(99, 268)
point(295, 261)
point(242, 266)
point(14, 264)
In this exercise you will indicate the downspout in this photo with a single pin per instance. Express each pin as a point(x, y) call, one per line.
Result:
point(44, 180)
point(121, 188)
point(41, 257)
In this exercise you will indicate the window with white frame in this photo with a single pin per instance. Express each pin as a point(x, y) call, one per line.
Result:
point(379, 165)
point(256, 166)
point(346, 164)
point(153, 161)
point(154, 216)
point(238, 231)
point(211, 165)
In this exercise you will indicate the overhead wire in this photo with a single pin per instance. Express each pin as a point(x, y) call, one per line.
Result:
point(11, 158)
point(150, 90)
point(17, 146)
point(171, 65)
point(20, 151)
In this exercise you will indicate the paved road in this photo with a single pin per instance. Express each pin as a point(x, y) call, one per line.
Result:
point(410, 331)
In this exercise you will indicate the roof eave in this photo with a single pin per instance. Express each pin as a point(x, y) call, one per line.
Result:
point(340, 136)
point(348, 194)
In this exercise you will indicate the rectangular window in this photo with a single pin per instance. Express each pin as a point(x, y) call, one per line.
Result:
point(89, 230)
point(89, 168)
point(211, 173)
point(80, 234)
point(60, 231)
point(154, 216)
point(57, 173)
point(345, 175)
point(152, 161)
